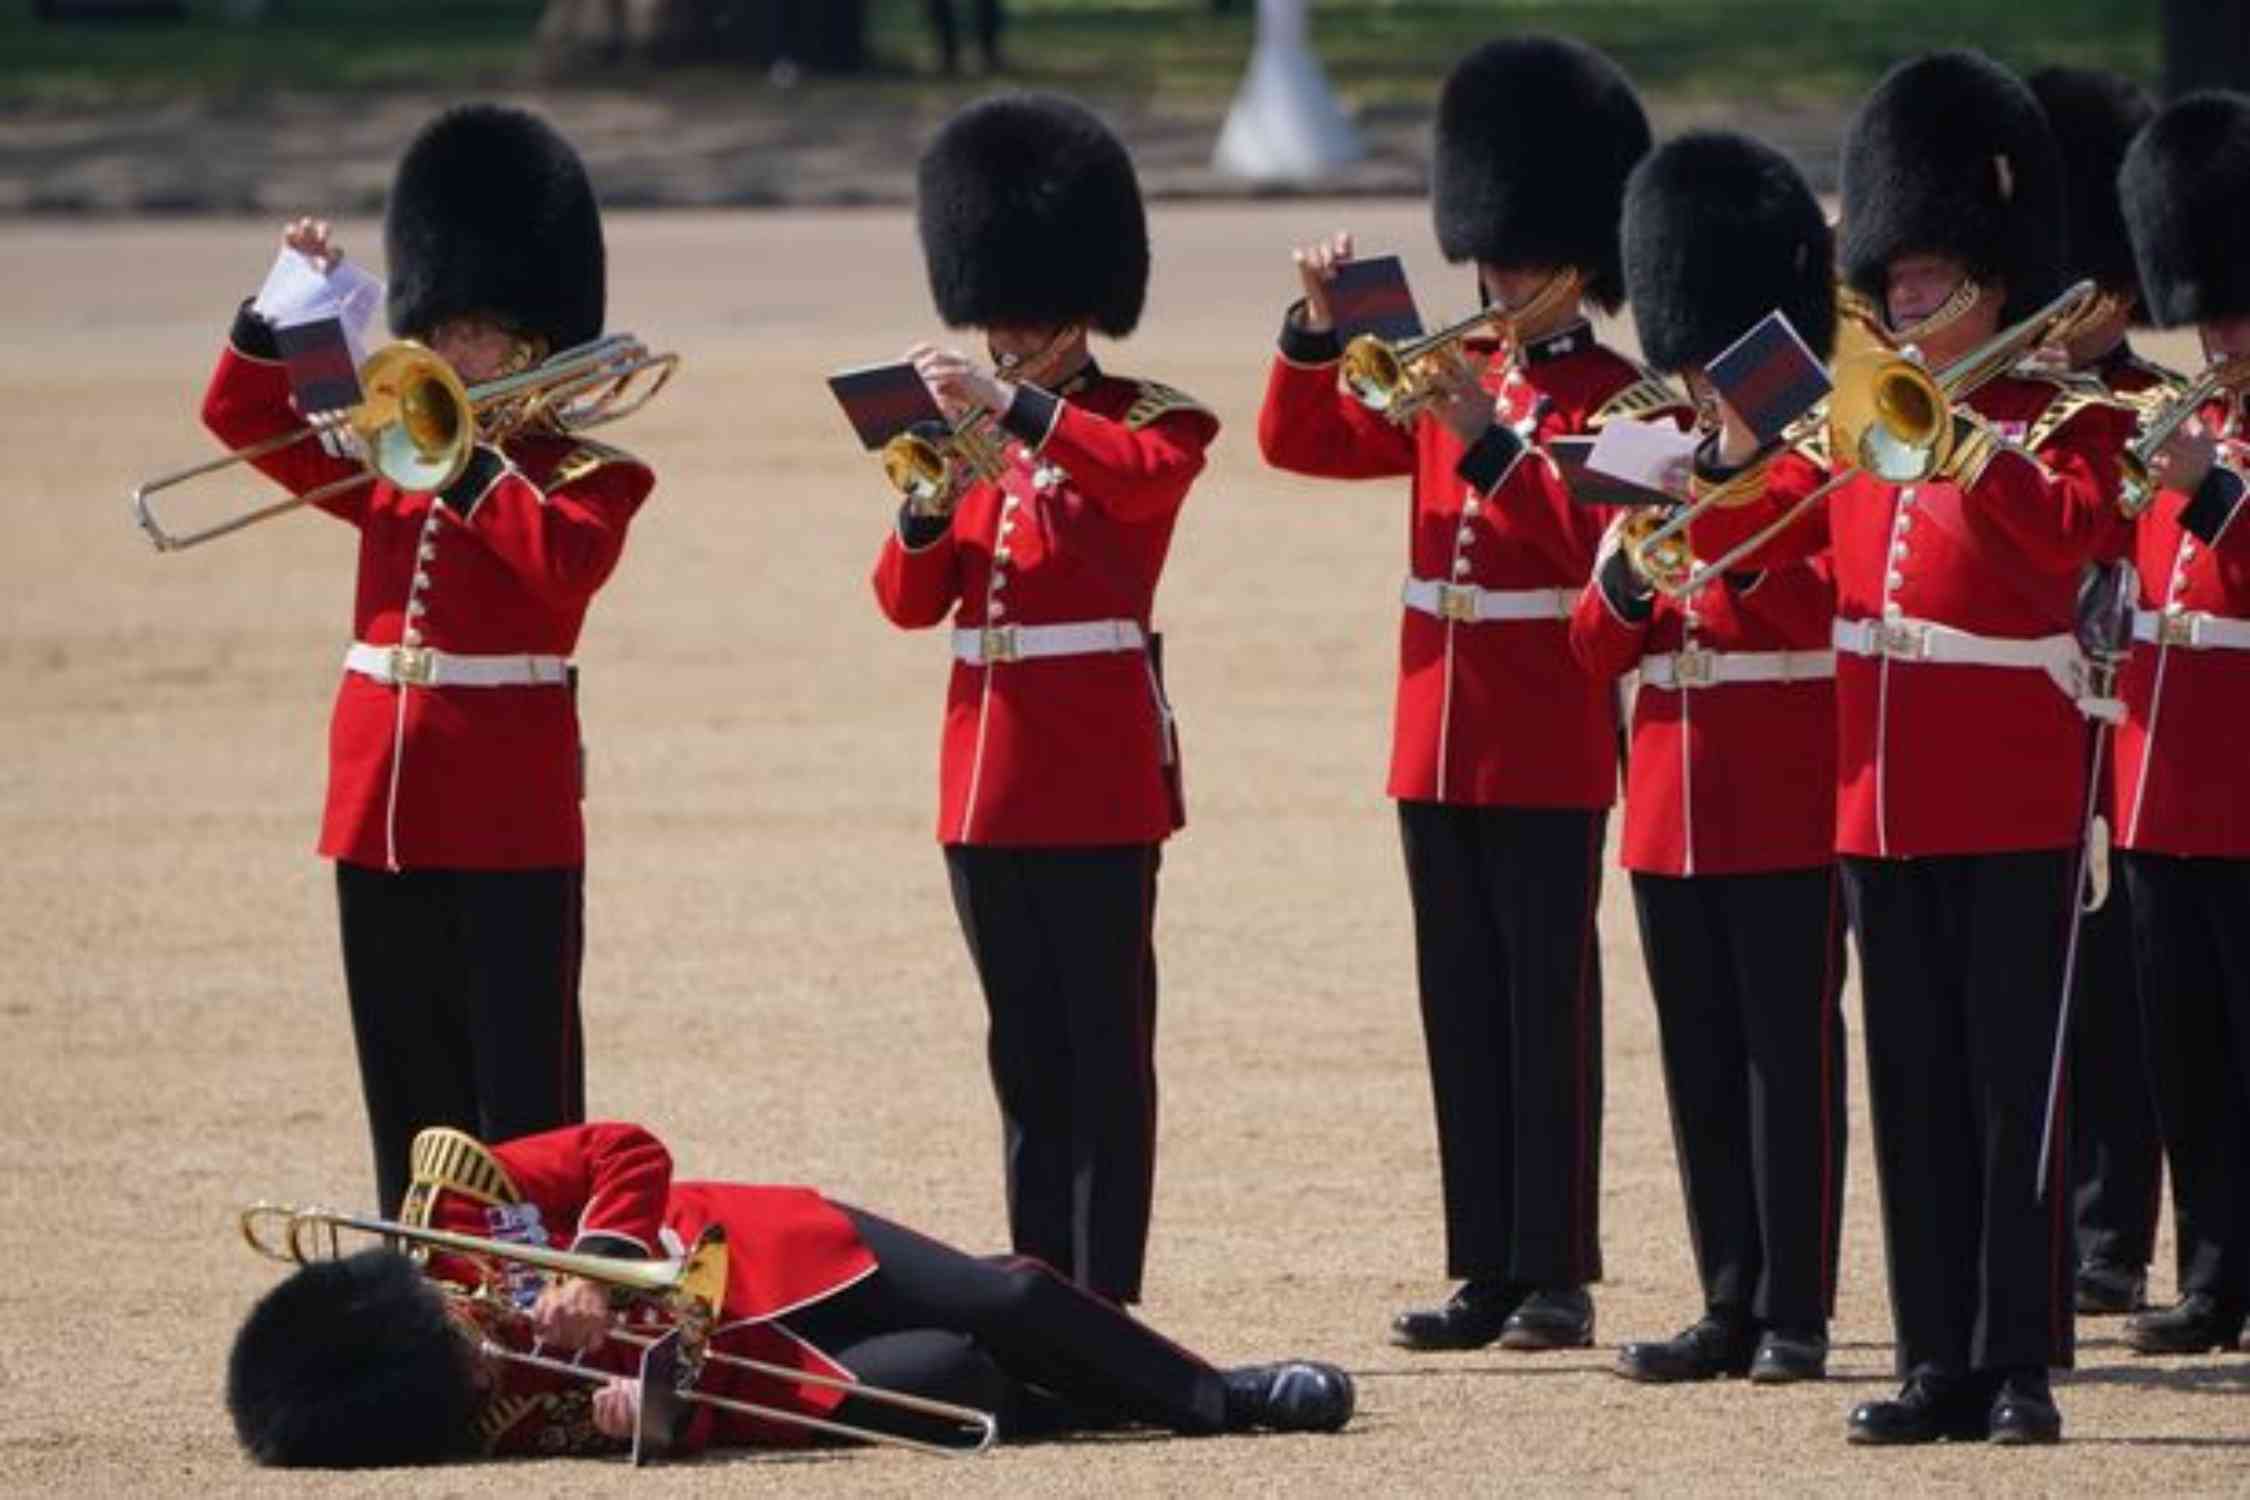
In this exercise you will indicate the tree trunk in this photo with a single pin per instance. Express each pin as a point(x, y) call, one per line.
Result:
point(2206, 45)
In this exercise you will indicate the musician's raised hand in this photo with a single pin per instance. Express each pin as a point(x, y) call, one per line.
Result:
point(2186, 458)
point(313, 239)
point(1316, 267)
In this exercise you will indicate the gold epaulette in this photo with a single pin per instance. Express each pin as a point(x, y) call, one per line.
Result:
point(443, 1159)
point(1739, 488)
point(1156, 400)
point(585, 459)
point(2074, 394)
point(1639, 401)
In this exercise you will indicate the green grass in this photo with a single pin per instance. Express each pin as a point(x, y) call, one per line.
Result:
point(1381, 53)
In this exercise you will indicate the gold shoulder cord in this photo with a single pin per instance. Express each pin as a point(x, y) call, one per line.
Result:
point(1638, 401)
point(585, 459)
point(1157, 400)
point(443, 1159)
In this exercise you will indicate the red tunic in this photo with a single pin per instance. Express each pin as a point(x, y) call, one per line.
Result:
point(1067, 749)
point(1734, 778)
point(609, 1186)
point(1497, 712)
point(2182, 781)
point(437, 777)
point(1945, 758)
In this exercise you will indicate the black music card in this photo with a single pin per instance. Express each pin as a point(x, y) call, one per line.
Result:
point(1371, 296)
point(1590, 486)
point(883, 401)
point(1769, 376)
point(319, 360)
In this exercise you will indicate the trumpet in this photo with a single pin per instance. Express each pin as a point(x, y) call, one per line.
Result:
point(1887, 416)
point(930, 463)
point(418, 423)
point(1664, 562)
point(1400, 378)
point(2138, 486)
point(687, 1294)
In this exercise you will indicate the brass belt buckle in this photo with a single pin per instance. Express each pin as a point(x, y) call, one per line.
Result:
point(2176, 630)
point(997, 643)
point(1693, 666)
point(413, 665)
point(1457, 601)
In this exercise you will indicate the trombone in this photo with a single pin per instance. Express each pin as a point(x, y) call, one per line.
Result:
point(2138, 486)
point(687, 1291)
point(1887, 416)
point(417, 422)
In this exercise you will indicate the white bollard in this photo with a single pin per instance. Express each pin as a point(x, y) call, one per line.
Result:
point(1286, 125)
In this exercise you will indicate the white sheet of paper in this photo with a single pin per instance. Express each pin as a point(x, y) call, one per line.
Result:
point(298, 291)
point(1648, 454)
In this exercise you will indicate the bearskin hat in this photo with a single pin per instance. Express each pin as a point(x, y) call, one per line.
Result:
point(1030, 215)
point(1535, 135)
point(352, 1364)
point(491, 212)
point(2094, 116)
point(1720, 230)
point(2185, 188)
point(1951, 155)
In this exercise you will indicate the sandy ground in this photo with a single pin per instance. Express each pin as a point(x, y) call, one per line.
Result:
point(774, 979)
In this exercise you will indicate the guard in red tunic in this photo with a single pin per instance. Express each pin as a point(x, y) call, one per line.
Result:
point(1961, 778)
point(1730, 798)
point(454, 758)
point(1503, 758)
point(2118, 1160)
point(1058, 773)
point(2182, 785)
point(358, 1363)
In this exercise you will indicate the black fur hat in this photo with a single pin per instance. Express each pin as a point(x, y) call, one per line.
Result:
point(1030, 215)
point(491, 213)
point(351, 1364)
point(2094, 114)
point(1534, 137)
point(1951, 155)
point(1720, 230)
point(2185, 188)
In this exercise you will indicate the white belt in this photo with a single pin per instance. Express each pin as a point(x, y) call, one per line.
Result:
point(425, 666)
point(1926, 640)
point(1471, 605)
point(1005, 643)
point(2191, 628)
point(1698, 668)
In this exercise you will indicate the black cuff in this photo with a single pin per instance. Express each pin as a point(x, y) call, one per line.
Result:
point(1485, 462)
point(1031, 416)
point(482, 471)
point(2214, 503)
point(1302, 346)
point(1629, 597)
point(1711, 471)
point(253, 335)
point(609, 1246)
point(916, 531)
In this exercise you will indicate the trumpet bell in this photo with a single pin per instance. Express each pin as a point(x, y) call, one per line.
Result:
point(1373, 373)
point(915, 464)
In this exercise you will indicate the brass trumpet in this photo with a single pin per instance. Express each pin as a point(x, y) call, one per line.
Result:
point(1663, 562)
point(930, 463)
point(1401, 378)
point(687, 1292)
point(417, 422)
point(2138, 486)
point(1887, 416)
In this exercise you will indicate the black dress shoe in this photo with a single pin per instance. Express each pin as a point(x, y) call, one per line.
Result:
point(1705, 1350)
point(2195, 1323)
point(1551, 1318)
point(1470, 1319)
point(2024, 1411)
point(1298, 1395)
point(1786, 1357)
point(1929, 1409)
point(2107, 1289)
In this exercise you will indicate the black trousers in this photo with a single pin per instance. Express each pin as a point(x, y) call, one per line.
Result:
point(2118, 1156)
point(1064, 945)
point(1961, 966)
point(1511, 985)
point(464, 1001)
point(1005, 1334)
point(986, 20)
point(2191, 928)
point(1748, 975)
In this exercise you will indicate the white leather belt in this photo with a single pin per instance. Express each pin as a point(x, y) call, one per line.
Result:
point(1006, 643)
point(1471, 605)
point(1698, 668)
point(2192, 628)
point(1926, 640)
point(425, 666)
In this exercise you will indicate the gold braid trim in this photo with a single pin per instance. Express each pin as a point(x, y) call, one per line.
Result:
point(443, 1159)
point(1157, 400)
point(585, 459)
point(2069, 402)
point(1639, 401)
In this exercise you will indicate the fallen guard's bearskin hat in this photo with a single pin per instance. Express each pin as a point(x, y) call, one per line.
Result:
point(1951, 155)
point(1720, 230)
point(2094, 116)
point(1031, 216)
point(2186, 191)
point(1534, 137)
point(352, 1364)
point(491, 213)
